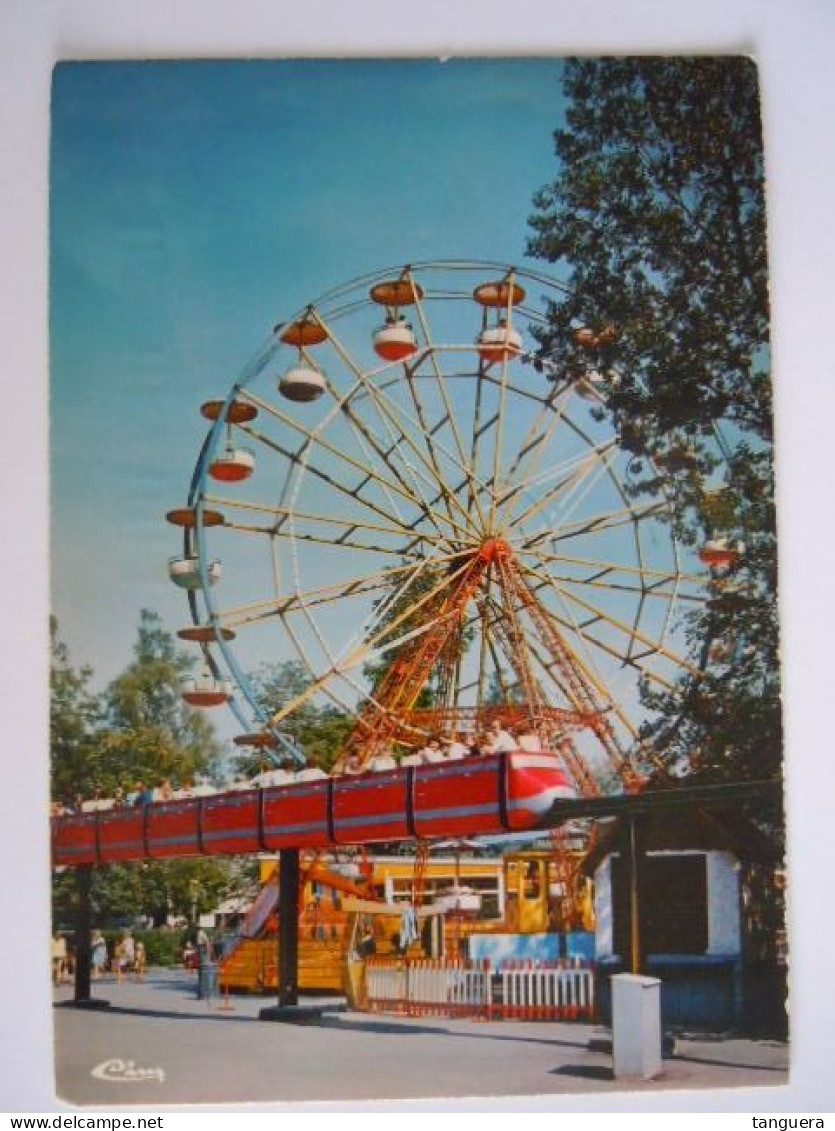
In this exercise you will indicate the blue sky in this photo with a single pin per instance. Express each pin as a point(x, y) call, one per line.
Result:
point(193, 205)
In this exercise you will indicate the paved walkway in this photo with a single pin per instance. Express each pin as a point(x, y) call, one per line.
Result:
point(211, 1056)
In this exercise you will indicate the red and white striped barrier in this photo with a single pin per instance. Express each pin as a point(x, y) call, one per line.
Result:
point(521, 991)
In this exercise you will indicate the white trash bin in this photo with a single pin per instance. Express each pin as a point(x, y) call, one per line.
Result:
point(636, 1026)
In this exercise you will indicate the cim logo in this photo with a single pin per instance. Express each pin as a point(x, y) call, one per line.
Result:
point(125, 1072)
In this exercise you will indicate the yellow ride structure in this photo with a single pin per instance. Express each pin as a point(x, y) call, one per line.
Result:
point(526, 893)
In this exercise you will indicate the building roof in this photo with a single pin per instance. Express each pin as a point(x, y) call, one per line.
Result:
point(691, 830)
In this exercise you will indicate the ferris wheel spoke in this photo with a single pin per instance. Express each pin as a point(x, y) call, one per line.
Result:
point(367, 439)
point(260, 612)
point(440, 383)
point(369, 474)
point(578, 483)
point(606, 567)
point(419, 477)
point(445, 493)
point(396, 438)
point(383, 404)
point(596, 524)
point(583, 633)
point(599, 615)
point(349, 526)
point(365, 583)
point(295, 458)
point(369, 648)
point(542, 428)
point(592, 450)
point(328, 692)
point(342, 543)
point(504, 375)
point(600, 580)
point(533, 449)
point(570, 474)
point(432, 475)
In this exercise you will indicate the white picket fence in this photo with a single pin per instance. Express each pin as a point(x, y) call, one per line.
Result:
point(532, 992)
point(523, 991)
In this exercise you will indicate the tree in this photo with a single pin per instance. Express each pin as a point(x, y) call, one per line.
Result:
point(321, 730)
point(139, 730)
point(75, 712)
point(144, 702)
point(657, 215)
point(658, 211)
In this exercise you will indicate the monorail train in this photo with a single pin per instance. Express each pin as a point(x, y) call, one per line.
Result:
point(476, 796)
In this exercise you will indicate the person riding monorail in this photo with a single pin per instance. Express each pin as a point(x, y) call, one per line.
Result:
point(501, 740)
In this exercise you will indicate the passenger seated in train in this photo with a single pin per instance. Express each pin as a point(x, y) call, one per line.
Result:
point(528, 739)
point(311, 773)
point(457, 747)
point(385, 760)
point(142, 795)
point(500, 740)
point(353, 764)
point(163, 790)
point(96, 803)
point(432, 751)
point(414, 758)
point(273, 776)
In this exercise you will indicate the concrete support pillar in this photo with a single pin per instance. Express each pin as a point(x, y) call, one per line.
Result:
point(288, 933)
point(83, 931)
point(82, 998)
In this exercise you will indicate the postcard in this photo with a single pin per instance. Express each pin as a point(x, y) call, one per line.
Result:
point(416, 724)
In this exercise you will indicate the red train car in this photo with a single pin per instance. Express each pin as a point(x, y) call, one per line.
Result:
point(470, 797)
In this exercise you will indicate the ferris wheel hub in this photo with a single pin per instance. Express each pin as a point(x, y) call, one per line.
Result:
point(493, 549)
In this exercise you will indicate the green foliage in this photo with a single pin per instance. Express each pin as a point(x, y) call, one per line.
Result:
point(139, 730)
point(157, 890)
point(321, 730)
point(75, 712)
point(658, 216)
point(169, 737)
point(728, 723)
point(163, 948)
point(658, 212)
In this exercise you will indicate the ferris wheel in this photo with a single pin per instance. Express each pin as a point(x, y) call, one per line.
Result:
point(402, 495)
